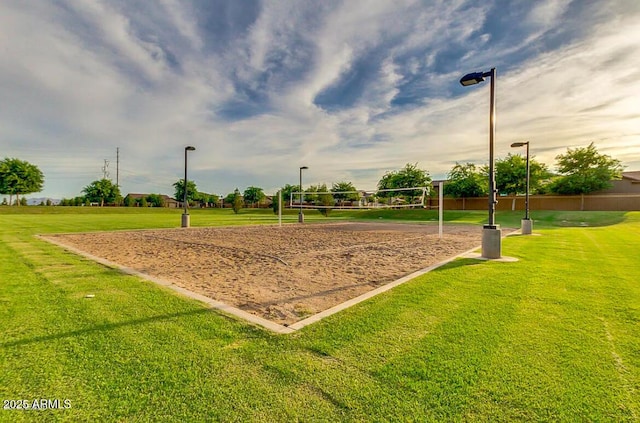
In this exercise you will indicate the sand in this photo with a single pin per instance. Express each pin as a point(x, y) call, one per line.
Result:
point(283, 274)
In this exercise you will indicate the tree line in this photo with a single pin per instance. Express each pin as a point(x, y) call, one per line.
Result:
point(578, 171)
point(341, 192)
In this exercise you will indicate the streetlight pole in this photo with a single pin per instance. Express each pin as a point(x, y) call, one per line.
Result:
point(185, 216)
point(491, 233)
point(526, 224)
point(300, 214)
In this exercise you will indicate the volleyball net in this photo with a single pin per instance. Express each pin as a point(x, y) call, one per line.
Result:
point(375, 199)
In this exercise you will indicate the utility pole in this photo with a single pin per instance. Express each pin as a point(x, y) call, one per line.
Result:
point(105, 169)
point(118, 167)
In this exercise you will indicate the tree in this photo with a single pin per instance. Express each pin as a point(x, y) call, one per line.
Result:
point(511, 174)
point(311, 194)
point(465, 181)
point(408, 177)
point(237, 201)
point(584, 170)
point(19, 177)
point(287, 190)
point(102, 191)
point(204, 199)
point(199, 198)
point(253, 195)
point(192, 191)
point(341, 195)
point(155, 200)
point(275, 203)
point(212, 199)
point(324, 199)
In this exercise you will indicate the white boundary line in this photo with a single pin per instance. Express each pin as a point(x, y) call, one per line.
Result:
point(251, 318)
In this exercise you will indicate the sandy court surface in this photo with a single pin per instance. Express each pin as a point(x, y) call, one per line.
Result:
point(283, 274)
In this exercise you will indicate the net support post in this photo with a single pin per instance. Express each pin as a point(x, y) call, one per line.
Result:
point(280, 208)
point(440, 207)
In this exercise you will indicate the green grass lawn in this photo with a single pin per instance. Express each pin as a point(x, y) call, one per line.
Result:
point(552, 337)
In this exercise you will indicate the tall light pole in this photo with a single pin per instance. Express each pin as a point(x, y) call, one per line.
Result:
point(526, 223)
point(185, 216)
point(301, 215)
point(491, 233)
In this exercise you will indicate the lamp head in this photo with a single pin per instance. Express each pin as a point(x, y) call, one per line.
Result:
point(519, 144)
point(303, 167)
point(189, 148)
point(472, 78)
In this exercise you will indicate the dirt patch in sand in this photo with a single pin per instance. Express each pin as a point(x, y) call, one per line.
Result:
point(283, 274)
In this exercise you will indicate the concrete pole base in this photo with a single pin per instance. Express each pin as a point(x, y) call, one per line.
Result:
point(526, 226)
point(300, 217)
point(186, 220)
point(492, 242)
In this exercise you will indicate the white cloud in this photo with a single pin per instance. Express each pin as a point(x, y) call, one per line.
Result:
point(183, 19)
point(577, 94)
point(547, 13)
point(113, 31)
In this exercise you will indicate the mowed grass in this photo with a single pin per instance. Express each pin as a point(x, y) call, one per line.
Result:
point(552, 337)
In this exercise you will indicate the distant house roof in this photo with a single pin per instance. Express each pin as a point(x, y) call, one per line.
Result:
point(634, 176)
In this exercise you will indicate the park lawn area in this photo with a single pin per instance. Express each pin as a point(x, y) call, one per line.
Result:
point(554, 336)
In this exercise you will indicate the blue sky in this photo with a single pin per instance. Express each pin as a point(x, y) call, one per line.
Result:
point(350, 88)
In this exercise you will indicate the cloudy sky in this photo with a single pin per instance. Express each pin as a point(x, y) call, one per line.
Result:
point(350, 88)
